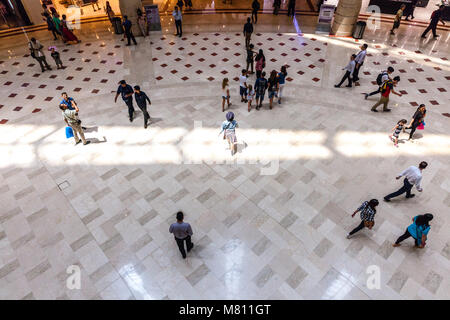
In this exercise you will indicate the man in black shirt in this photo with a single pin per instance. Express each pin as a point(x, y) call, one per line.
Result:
point(250, 58)
point(255, 7)
point(291, 8)
point(128, 32)
point(127, 95)
point(435, 18)
point(141, 100)
point(410, 9)
point(248, 30)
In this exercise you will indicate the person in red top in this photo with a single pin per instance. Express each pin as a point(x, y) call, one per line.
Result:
point(386, 89)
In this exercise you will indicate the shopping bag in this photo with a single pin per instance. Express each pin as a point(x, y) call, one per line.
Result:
point(69, 132)
point(421, 126)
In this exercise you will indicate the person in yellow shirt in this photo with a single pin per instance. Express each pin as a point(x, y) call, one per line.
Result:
point(398, 18)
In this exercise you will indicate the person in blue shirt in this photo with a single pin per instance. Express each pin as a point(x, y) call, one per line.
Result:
point(127, 96)
point(141, 100)
point(281, 81)
point(229, 129)
point(70, 103)
point(127, 25)
point(418, 230)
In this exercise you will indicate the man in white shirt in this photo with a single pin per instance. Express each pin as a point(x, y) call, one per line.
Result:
point(178, 18)
point(349, 68)
point(359, 62)
point(36, 52)
point(243, 85)
point(413, 176)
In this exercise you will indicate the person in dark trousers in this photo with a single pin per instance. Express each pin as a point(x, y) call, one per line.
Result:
point(182, 232)
point(417, 119)
point(50, 25)
point(250, 57)
point(255, 8)
point(72, 120)
point(178, 21)
point(127, 25)
point(291, 8)
point(127, 95)
point(141, 100)
point(36, 52)
point(359, 61)
point(248, 30)
point(386, 89)
point(436, 16)
point(276, 6)
point(410, 9)
point(348, 72)
point(381, 79)
point(418, 230)
point(260, 86)
point(367, 215)
point(398, 18)
point(413, 176)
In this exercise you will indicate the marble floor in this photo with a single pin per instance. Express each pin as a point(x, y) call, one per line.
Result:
point(270, 222)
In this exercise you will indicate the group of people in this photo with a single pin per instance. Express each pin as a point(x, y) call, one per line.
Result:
point(57, 25)
point(126, 91)
point(435, 17)
point(37, 53)
point(420, 225)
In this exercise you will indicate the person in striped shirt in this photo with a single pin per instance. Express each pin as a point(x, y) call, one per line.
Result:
point(367, 214)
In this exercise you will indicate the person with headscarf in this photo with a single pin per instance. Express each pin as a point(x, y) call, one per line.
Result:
point(418, 230)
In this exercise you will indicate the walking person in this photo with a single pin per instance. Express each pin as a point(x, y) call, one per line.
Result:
point(410, 11)
point(255, 8)
point(141, 100)
point(281, 81)
point(142, 22)
point(127, 96)
point(36, 52)
point(260, 60)
point(178, 21)
point(127, 25)
point(399, 127)
point(272, 88)
point(276, 6)
point(72, 120)
point(381, 79)
point(359, 61)
point(188, 3)
point(57, 23)
point(418, 229)
point(56, 56)
point(436, 16)
point(250, 96)
point(386, 89)
point(109, 11)
point(67, 34)
point(70, 103)
point(367, 214)
point(398, 18)
point(291, 8)
point(225, 93)
point(243, 85)
point(50, 25)
point(413, 176)
point(248, 30)
point(229, 131)
point(260, 89)
point(417, 120)
point(250, 58)
point(182, 232)
point(349, 68)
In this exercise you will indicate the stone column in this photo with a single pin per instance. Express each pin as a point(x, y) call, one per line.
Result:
point(129, 8)
point(345, 17)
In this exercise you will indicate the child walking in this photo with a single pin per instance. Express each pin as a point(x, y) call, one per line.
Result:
point(56, 56)
point(243, 85)
point(250, 96)
point(225, 94)
point(229, 131)
point(399, 127)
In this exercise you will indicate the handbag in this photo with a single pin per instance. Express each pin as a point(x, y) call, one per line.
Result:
point(69, 132)
point(369, 224)
point(421, 126)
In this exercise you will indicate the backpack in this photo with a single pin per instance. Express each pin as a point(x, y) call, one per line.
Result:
point(380, 77)
point(384, 86)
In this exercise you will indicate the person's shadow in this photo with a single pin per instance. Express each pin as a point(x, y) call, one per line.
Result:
point(241, 146)
point(90, 129)
point(95, 140)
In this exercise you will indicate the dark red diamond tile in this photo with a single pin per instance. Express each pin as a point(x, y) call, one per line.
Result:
point(104, 80)
point(31, 65)
point(217, 34)
point(236, 79)
point(164, 65)
point(77, 89)
point(393, 62)
point(307, 54)
point(313, 39)
point(65, 50)
point(95, 91)
point(294, 49)
point(203, 48)
point(159, 78)
point(410, 61)
point(163, 38)
point(177, 59)
point(311, 66)
point(79, 69)
point(17, 109)
point(53, 76)
point(159, 48)
point(444, 114)
point(403, 92)
point(434, 102)
point(112, 71)
point(212, 65)
point(422, 91)
point(419, 69)
point(430, 79)
point(224, 72)
point(210, 79)
point(291, 39)
point(86, 79)
point(69, 78)
point(402, 71)
point(300, 72)
point(184, 38)
point(20, 74)
point(154, 59)
point(269, 39)
point(48, 99)
point(237, 54)
point(171, 43)
point(321, 60)
point(30, 97)
point(418, 51)
point(95, 70)
point(447, 77)
point(377, 46)
point(36, 110)
point(289, 79)
point(191, 54)
point(315, 79)
point(412, 80)
point(119, 63)
point(427, 60)
point(284, 54)
point(385, 54)
point(215, 43)
point(26, 84)
point(103, 61)
point(168, 54)
point(16, 63)
point(376, 63)
point(214, 54)
point(184, 78)
point(414, 104)
point(3, 121)
point(317, 49)
point(374, 83)
point(281, 43)
point(188, 65)
point(442, 90)
point(195, 34)
point(193, 43)
point(226, 39)
point(95, 52)
point(226, 48)
point(437, 68)
point(273, 60)
point(180, 48)
point(402, 53)
point(366, 73)
point(59, 87)
point(36, 75)
point(7, 83)
point(297, 60)
point(259, 44)
point(237, 65)
point(271, 49)
point(205, 39)
point(72, 59)
point(199, 71)
point(174, 71)
point(80, 51)
point(201, 59)
point(12, 95)
point(237, 44)
point(4, 72)
point(444, 58)
point(224, 59)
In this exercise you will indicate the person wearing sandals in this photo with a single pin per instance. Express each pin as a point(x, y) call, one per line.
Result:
point(418, 230)
point(367, 214)
point(229, 131)
point(225, 93)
